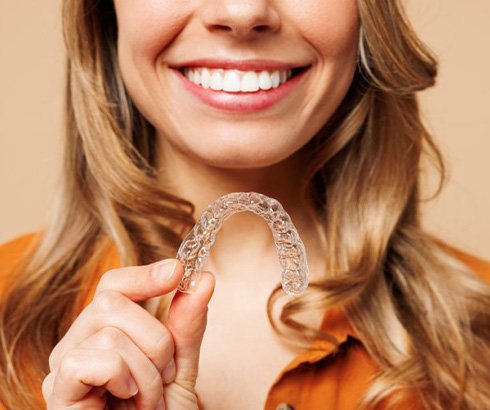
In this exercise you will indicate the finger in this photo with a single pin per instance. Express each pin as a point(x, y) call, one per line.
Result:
point(82, 369)
point(93, 400)
point(187, 322)
point(143, 282)
point(112, 309)
point(136, 283)
point(147, 377)
point(47, 386)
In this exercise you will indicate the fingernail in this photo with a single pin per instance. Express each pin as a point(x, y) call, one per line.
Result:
point(133, 388)
point(168, 374)
point(164, 270)
point(160, 405)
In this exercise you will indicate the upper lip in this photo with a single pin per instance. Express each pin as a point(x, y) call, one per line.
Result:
point(244, 65)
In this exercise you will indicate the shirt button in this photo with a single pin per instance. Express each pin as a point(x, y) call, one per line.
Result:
point(284, 406)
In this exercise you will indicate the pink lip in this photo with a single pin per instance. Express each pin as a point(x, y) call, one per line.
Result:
point(240, 102)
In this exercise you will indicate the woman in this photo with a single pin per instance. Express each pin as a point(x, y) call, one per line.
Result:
point(172, 104)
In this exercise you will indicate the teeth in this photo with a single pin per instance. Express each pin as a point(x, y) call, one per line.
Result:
point(232, 81)
point(236, 80)
point(205, 77)
point(265, 81)
point(250, 82)
point(216, 80)
point(276, 79)
point(197, 77)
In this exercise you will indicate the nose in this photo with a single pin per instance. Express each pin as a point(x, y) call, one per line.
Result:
point(243, 19)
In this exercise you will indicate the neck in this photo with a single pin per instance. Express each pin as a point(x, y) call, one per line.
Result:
point(245, 240)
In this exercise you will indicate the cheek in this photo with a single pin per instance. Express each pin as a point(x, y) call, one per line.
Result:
point(331, 27)
point(146, 26)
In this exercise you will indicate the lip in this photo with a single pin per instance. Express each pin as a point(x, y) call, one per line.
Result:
point(244, 65)
point(237, 101)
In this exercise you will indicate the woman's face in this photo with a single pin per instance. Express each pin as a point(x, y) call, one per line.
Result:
point(249, 47)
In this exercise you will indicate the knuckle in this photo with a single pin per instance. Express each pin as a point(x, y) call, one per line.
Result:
point(118, 365)
point(109, 338)
point(53, 358)
point(70, 366)
point(106, 279)
point(47, 386)
point(107, 301)
point(188, 380)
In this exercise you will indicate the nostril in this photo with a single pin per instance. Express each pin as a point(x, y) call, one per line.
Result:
point(261, 28)
point(226, 29)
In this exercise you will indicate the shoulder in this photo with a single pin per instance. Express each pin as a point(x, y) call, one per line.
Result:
point(13, 252)
point(479, 266)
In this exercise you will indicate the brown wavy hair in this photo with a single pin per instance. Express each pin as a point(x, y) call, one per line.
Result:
point(423, 318)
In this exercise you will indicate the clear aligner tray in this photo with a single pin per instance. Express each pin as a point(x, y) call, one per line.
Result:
point(292, 256)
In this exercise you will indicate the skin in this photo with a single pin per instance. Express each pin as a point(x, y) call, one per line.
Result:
point(117, 345)
point(203, 153)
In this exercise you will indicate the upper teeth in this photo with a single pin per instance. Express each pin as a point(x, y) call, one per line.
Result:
point(236, 80)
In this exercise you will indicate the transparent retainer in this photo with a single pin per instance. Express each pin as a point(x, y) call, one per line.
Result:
point(292, 255)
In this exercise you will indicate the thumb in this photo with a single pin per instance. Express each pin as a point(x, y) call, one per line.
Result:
point(186, 320)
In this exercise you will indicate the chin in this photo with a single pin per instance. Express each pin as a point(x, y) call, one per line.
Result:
point(243, 159)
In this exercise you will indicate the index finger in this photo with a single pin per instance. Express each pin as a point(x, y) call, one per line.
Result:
point(140, 283)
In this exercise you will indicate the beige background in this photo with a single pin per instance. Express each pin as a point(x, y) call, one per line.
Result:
point(31, 90)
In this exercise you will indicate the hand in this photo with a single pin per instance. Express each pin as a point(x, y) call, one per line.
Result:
point(117, 355)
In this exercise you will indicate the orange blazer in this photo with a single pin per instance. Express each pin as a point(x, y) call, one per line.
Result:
point(321, 377)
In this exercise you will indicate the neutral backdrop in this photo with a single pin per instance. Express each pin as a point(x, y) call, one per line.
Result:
point(456, 110)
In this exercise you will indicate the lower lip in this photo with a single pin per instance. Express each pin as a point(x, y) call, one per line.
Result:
point(241, 102)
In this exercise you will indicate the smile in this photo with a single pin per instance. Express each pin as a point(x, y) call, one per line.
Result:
point(236, 80)
point(246, 87)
